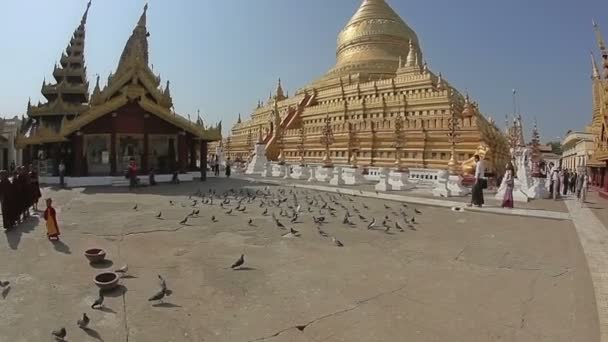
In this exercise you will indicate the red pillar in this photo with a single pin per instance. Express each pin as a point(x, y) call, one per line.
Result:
point(78, 161)
point(182, 152)
point(144, 159)
point(192, 146)
point(113, 154)
point(203, 160)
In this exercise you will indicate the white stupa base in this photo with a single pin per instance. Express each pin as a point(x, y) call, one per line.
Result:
point(538, 190)
point(383, 184)
point(258, 162)
point(441, 186)
point(313, 174)
point(278, 170)
point(324, 174)
point(353, 176)
point(456, 188)
point(300, 172)
point(336, 178)
point(399, 180)
point(267, 170)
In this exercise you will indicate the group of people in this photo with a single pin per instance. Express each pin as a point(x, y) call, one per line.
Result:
point(214, 163)
point(564, 181)
point(19, 192)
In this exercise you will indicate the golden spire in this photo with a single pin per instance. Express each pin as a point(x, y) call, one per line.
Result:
point(239, 119)
point(136, 48)
point(280, 95)
point(595, 74)
point(598, 36)
point(411, 58)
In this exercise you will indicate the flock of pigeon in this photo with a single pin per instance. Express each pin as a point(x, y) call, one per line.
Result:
point(281, 204)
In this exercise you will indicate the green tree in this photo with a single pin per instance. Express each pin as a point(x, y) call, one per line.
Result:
point(556, 147)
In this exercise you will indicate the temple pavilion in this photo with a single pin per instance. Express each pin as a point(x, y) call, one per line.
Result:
point(132, 117)
point(598, 161)
point(379, 106)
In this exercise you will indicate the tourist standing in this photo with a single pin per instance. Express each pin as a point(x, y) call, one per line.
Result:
point(61, 174)
point(477, 192)
point(132, 174)
point(507, 201)
point(35, 188)
point(584, 187)
point(565, 182)
point(555, 175)
point(151, 178)
point(216, 171)
point(50, 215)
point(573, 177)
point(7, 201)
point(228, 166)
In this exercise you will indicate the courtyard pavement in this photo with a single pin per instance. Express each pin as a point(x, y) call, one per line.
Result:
point(452, 276)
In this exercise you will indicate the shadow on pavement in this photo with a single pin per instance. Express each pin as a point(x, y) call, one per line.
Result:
point(13, 235)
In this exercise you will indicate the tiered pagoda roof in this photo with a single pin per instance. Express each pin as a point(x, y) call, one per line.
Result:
point(69, 93)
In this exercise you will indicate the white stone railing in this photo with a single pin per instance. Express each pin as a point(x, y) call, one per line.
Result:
point(421, 176)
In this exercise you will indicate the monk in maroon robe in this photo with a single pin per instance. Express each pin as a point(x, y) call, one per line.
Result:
point(7, 201)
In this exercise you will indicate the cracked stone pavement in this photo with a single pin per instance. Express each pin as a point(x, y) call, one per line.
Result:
point(459, 277)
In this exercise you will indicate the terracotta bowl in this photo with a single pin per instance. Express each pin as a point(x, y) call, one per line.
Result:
point(95, 255)
point(107, 280)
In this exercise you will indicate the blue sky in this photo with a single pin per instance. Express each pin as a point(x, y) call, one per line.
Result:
point(222, 56)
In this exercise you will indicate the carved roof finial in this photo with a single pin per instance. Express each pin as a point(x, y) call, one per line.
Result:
point(595, 74)
point(598, 36)
point(83, 21)
point(239, 119)
point(411, 55)
point(167, 91)
point(280, 95)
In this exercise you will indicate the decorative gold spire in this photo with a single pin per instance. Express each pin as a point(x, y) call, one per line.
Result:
point(239, 119)
point(469, 108)
point(136, 48)
point(598, 36)
point(280, 95)
point(595, 74)
point(167, 91)
point(411, 55)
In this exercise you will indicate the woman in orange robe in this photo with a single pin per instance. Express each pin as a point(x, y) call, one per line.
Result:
point(52, 228)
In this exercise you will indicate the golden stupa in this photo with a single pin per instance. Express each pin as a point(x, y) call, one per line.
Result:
point(381, 103)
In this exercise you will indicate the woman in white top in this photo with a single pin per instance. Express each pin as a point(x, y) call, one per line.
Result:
point(477, 191)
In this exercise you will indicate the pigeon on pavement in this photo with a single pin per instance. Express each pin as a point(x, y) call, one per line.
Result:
point(98, 303)
point(83, 322)
point(59, 334)
point(239, 262)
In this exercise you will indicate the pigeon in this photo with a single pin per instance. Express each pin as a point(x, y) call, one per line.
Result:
point(238, 207)
point(337, 242)
point(294, 218)
point(123, 270)
point(398, 227)
point(362, 218)
point(160, 215)
point(386, 207)
point(386, 218)
point(294, 232)
point(250, 222)
point(413, 220)
point(4, 283)
point(239, 262)
point(345, 220)
point(196, 212)
point(321, 232)
point(279, 224)
point(135, 207)
point(411, 227)
point(265, 212)
point(184, 220)
point(243, 209)
point(387, 228)
point(404, 205)
point(83, 322)
point(59, 334)
point(213, 219)
point(98, 303)
point(158, 296)
point(163, 283)
point(417, 211)
point(229, 212)
point(170, 202)
point(372, 224)
point(365, 207)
